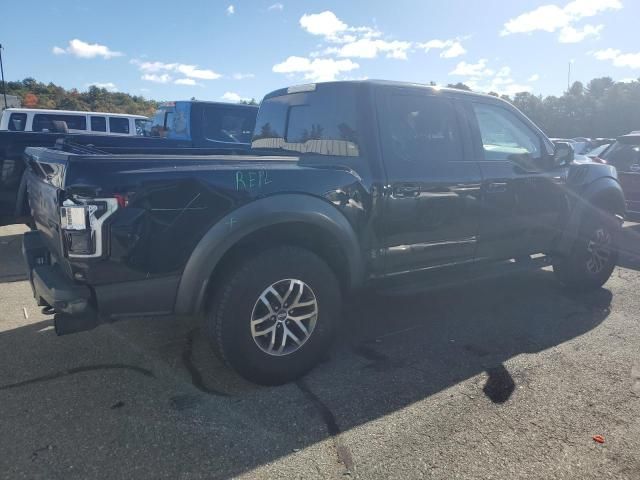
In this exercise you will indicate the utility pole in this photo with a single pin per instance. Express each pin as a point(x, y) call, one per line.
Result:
point(4, 86)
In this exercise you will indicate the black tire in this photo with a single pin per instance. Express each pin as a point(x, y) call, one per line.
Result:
point(582, 269)
point(237, 301)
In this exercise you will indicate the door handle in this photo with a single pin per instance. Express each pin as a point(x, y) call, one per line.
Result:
point(405, 191)
point(497, 187)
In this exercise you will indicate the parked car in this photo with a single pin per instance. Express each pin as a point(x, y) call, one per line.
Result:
point(68, 121)
point(350, 185)
point(596, 152)
point(203, 128)
point(624, 155)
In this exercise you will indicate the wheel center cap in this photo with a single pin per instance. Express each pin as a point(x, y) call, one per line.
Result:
point(281, 316)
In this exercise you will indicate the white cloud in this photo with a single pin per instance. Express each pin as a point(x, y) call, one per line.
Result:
point(81, 49)
point(551, 18)
point(607, 54)
point(450, 48)
point(316, 70)
point(192, 71)
point(276, 6)
point(533, 78)
point(369, 48)
point(572, 35)
point(481, 78)
point(161, 72)
point(153, 77)
point(619, 59)
point(231, 10)
point(243, 76)
point(479, 69)
point(590, 8)
point(106, 85)
point(186, 81)
point(503, 72)
point(326, 24)
point(548, 18)
point(233, 97)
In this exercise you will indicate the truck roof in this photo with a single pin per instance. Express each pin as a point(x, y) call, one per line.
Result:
point(207, 102)
point(385, 83)
point(69, 112)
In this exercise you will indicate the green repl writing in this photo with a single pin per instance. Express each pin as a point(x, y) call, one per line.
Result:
point(251, 179)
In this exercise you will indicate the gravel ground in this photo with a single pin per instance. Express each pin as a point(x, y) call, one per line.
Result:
point(505, 378)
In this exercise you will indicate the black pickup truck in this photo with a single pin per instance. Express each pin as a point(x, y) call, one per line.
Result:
point(200, 128)
point(349, 185)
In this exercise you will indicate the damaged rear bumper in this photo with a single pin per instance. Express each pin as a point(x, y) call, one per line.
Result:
point(52, 288)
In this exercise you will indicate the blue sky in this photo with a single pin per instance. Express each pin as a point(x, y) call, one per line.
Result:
point(241, 49)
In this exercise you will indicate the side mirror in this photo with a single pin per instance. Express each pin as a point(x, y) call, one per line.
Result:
point(563, 153)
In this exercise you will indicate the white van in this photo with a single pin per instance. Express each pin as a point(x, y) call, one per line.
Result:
point(97, 123)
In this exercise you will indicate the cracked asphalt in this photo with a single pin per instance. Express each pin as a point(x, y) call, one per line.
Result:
point(502, 378)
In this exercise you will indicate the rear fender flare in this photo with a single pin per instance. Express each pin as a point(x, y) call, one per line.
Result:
point(250, 218)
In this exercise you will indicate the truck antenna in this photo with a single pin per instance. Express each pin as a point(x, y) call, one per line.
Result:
point(4, 85)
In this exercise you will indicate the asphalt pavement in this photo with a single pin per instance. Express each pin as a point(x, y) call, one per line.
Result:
point(505, 378)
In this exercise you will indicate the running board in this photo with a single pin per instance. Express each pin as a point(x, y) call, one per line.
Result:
point(436, 278)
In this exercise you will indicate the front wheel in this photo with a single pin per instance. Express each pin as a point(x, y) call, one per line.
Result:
point(593, 257)
point(274, 316)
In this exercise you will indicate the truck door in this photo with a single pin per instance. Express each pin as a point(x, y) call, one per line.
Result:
point(431, 196)
point(523, 199)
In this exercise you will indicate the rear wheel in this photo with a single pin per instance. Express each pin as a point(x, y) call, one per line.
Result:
point(593, 257)
point(274, 316)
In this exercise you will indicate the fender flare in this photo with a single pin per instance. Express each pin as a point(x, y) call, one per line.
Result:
point(21, 196)
point(603, 188)
point(250, 218)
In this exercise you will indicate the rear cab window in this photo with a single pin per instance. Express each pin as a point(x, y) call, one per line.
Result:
point(310, 122)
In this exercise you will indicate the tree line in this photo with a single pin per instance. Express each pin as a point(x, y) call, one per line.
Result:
point(34, 94)
point(602, 108)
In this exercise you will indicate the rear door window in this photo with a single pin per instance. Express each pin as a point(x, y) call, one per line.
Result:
point(17, 122)
point(232, 125)
point(118, 125)
point(45, 122)
point(418, 131)
point(98, 124)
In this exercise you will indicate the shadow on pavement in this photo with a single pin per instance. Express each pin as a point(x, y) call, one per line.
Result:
point(185, 414)
point(630, 246)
